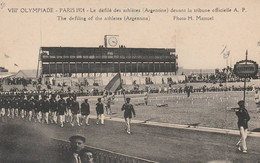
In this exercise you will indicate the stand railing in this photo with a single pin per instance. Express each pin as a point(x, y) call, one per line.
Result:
point(101, 155)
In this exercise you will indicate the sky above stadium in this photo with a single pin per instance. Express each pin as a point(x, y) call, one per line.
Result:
point(233, 24)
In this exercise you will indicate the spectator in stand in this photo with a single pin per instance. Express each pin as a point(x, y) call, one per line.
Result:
point(77, 152)
point(165, 90)
point(53, 82)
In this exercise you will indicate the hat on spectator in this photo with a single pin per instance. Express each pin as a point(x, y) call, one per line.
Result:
point(77, 137)
point(241, 102)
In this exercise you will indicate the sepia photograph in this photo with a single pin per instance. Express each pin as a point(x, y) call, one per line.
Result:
point(144, 81)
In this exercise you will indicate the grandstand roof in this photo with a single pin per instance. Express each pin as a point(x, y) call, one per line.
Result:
point(5, 74)
point(26, 73)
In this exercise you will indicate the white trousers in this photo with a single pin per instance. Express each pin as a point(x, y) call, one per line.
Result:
point(2, 112)
point(12, 113)
point(109, 111)
point(242, 141)
point(39, 116)
point(8, 112)
point(75, 118)
point(54, 117)
point(62, 119)
point(69, 115)
point(100, 117)
point(16, 112)
point(23, 113)
point(127, 123)
point(46, 117)
point(84, 119)
point(30, 115)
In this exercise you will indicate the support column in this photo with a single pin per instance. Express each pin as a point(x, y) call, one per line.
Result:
point(159, 68)
point(153, 68)
point(142, 68)
point(101, 71)
point(125, 68)
point(69, 66)
point(113, 66)
point(56, 69)
point(76, 68)
point(164, 71)
point(131, 68)
point(62, 67)
point(137, 68)
point(82, 68)
point(95, 68)
point(119, 67)
point(170, 68)
point(88, 68)
point(49, 68)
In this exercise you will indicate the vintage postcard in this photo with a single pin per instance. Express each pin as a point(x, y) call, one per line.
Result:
point(134, 81)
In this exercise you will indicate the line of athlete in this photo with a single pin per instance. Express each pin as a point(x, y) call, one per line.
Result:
point(51, 108)
point(55, 109)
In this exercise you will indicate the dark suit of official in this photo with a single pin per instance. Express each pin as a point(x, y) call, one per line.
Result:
point(85, 109)
point(70, 158)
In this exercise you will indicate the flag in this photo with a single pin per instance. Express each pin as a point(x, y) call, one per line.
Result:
point(114, 84)
point(225, 52)
point(16, 65)
point(7, 56)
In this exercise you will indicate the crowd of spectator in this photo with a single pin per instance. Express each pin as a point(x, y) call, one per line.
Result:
point(184, 89)
point(168, 86)
point(18, 81)
point(136, 89)
point(220, 76)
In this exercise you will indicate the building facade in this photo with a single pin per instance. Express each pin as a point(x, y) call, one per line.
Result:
point(87, 60)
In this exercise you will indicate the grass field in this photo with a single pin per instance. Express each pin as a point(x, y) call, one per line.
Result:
point(208, 109)
point(168, 145)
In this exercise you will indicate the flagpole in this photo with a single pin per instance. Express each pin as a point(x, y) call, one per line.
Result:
point(245, 83)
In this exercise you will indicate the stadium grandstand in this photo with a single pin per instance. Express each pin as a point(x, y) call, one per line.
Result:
point(72, 60)
point(103, 62)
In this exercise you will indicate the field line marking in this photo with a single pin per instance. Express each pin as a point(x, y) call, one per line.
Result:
point(179, 126)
